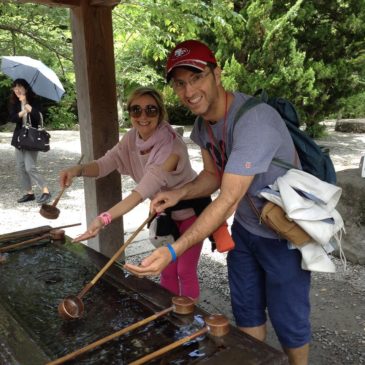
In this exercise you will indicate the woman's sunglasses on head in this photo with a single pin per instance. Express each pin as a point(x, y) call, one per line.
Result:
point(136, 111)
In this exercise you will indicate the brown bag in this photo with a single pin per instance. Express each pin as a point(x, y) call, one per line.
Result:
point(276, 219)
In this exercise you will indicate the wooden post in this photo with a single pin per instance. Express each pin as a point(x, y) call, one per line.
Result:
point(92, 37)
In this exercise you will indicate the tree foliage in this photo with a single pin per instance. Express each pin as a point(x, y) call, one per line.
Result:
point(311, 52)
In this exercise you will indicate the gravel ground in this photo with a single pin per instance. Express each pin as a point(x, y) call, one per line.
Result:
point(338, 310)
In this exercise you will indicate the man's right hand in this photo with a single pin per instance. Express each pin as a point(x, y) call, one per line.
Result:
point(164, 200)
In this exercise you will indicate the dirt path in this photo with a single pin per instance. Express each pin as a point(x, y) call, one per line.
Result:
point(338, 304)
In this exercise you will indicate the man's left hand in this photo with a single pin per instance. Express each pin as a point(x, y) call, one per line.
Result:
point(151, 265)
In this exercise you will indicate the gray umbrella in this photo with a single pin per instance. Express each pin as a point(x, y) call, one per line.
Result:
point(41, 78)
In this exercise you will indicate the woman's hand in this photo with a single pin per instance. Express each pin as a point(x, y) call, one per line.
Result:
point(151, 265)
point(66, 176)
point(94, 228)
point(22, 97)
point(28, 108)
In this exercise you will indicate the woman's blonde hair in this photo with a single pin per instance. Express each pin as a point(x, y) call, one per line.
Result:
point(156, 95)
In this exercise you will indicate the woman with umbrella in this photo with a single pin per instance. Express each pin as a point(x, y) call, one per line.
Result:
point(25, 109)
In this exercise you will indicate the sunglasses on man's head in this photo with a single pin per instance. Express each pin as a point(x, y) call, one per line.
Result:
point(135, 111)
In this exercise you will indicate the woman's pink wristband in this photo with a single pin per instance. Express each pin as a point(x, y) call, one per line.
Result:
point(106, 218)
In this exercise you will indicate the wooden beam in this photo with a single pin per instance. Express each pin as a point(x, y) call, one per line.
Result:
point(92, 38)
point(66, 3)
point(72, 3)
point(104, 2)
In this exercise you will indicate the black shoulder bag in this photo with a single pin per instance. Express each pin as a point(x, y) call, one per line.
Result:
point(34, 139)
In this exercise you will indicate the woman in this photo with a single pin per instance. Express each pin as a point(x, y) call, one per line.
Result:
point(24, 109)
point(157, 159)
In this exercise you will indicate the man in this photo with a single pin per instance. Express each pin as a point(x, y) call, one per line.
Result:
point(263, 272)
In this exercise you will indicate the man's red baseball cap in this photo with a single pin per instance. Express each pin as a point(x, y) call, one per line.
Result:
point(189, 53)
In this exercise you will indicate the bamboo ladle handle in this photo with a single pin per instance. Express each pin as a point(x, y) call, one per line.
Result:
point(181, 305)
point(114, 257)
point(58, 196)
point(39, 230)
point(216, 324)
point(24, 243)
point(81, 158)
point(103, 340)
point(21, 234)
point(170, 347)
point(64, 188)
point(35, 239)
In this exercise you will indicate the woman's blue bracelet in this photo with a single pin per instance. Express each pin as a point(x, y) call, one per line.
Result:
point(172, 251)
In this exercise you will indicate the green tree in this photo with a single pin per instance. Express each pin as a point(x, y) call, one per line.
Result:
point(335, 50)
point(311, 52)
point(145, 32)
point(302, 50)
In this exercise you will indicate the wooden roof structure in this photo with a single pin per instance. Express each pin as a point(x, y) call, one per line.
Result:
point(93, 53)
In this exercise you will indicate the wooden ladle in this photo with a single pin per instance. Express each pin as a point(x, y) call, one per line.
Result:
point(216, 324)
point(50, 211)
point(72, 306)
point(53, 235)
point(180, 305)
point(32, 232)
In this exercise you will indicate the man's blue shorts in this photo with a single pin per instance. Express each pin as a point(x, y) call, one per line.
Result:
point(265, 274)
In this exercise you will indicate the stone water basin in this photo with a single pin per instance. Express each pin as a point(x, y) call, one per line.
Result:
point(35, 279)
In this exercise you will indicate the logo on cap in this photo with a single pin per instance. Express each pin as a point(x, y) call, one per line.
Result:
point(180, 52)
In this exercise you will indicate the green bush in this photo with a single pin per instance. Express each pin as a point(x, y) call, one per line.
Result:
point(5, 85)
point(63, 115)
point(60, 118)
point(125, 121)
point(316, 130)
point(352, 107)
point(177, 114)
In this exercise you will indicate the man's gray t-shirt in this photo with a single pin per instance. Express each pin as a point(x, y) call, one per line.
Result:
point(258, 136)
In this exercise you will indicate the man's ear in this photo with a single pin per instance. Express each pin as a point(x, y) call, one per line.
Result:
point(217, 75)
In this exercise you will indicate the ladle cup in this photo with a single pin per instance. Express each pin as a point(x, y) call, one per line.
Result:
point(180, 305)
point(53, 234)
point(50, 211)
point(72, 306)
point(216, 324)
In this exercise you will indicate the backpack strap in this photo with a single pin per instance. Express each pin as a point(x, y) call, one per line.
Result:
point(262, 95)
point(280, 163)
point(245, 107)
point(251, 103)
point(200, 123)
